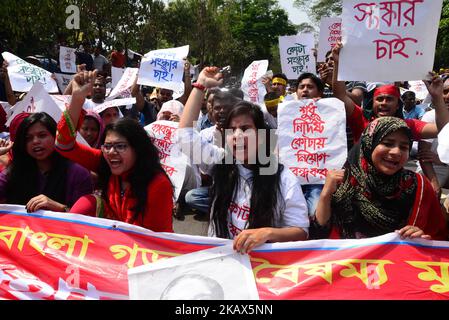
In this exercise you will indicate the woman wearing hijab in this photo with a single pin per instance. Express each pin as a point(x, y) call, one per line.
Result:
point(171, 111)
point(375, 195)
point(387, 103)
point(92, 129)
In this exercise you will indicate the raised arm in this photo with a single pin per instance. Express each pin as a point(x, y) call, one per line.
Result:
point(208, 78)
point(435, 88)
point(136, 93)
point(339, 87)
point(82, 86)
point(187, 84)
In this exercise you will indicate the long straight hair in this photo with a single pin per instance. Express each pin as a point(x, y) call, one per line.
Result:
point(23, 173)
point(146, 167)
point(266, 197)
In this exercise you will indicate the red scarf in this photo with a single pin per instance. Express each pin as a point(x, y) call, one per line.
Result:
point(118, 206)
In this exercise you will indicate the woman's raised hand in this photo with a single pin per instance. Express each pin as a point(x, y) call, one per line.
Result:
point(210, 77)
point(83, 83)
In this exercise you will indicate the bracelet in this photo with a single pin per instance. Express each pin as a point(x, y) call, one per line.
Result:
point(199, 86)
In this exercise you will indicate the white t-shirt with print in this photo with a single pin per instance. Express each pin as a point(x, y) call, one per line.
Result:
point(292, 214)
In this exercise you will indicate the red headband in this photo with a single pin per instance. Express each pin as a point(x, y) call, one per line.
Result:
point(390, 89)
point(15, 123)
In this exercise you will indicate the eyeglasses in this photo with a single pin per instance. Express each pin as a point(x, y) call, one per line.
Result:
point(119, 147)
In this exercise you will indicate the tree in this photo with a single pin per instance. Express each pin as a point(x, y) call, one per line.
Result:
point(255, 26)
point(316, 9)
point(442, 48)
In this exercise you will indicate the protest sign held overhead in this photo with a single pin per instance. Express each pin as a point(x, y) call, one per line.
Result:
point(330, 34)
point(252, 85)
point(163, 68)
point(124, 85)
point(24, 75)
point(37, 100)
point(381, 39)
point(116, 74)
point(419, 88)
point(312, 138)
point(297, 55)
point(63, 80)
point(67, 59)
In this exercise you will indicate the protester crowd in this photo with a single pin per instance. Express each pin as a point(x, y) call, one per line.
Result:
point(118, 174)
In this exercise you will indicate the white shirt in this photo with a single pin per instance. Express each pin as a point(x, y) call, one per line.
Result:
point(293, 214)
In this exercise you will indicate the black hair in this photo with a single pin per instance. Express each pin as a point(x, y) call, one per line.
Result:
point(237, 93)
point(408, 93)
point(265, 194)
point(317, 81)
point(23, 173)
point(226, 98)
point(146, 167)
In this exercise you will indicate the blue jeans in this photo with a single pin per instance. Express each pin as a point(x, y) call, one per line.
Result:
point(312, 194)
point(199, 199)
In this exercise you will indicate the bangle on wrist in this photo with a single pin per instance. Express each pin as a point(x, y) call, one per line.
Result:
point(199, 86)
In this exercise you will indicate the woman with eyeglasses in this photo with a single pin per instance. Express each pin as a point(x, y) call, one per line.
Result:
point(134, 187)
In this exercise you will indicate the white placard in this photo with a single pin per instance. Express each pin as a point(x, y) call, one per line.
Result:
point(388, 40)
point(297, 55)
point(114, 103)
point(124, 85)
point(163, 68)
point(7, 108)
point(116, 75)
point(131, 54)
point(67, 59)
point(330, 34)
point(63, 80)
point(162, 134)
point(312, 138)
point(24, 75)
point(214, 274)
point(252, 85)
point(419, 88)
point(37, 100)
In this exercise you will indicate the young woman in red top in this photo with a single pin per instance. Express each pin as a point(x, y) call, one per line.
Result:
point(134, 187)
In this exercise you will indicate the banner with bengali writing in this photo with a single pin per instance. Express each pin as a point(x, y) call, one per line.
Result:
point(296, 55)
point(67, 59)
point(162, 134)
point(382, 39)
point(24, 75)
point(164, 68)
point(252, 85)
point(312, 138)
point(330, 34)
point(49, 255)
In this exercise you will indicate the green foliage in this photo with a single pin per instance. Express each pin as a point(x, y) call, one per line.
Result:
point(219, 32)
point(316, 9)
point(442, 50)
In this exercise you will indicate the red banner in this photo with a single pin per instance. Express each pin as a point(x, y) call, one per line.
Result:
point(62, 256)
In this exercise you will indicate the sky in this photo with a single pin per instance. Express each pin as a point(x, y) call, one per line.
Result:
point(295, 15)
